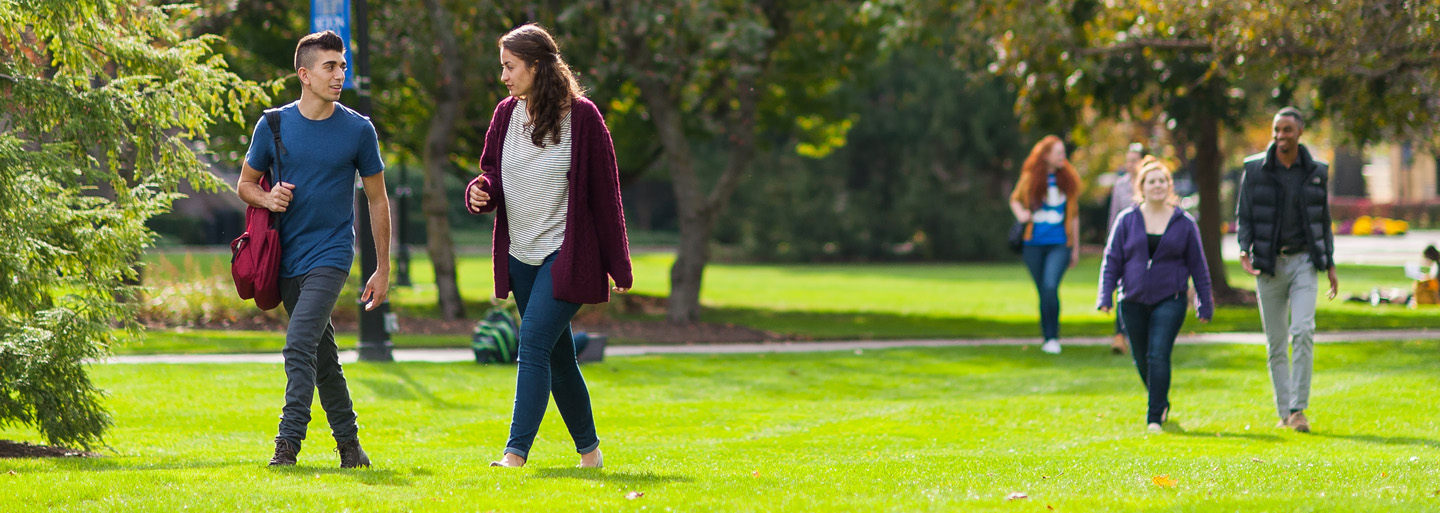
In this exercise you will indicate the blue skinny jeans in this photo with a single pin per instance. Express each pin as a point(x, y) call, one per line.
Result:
point(1152, 330)
point(1047, 264)
point(546, 363)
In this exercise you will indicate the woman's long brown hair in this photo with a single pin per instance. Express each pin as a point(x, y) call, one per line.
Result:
point(555, 85)
point(1035, 170)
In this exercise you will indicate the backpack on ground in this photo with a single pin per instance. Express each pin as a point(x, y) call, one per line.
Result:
point(497, 337)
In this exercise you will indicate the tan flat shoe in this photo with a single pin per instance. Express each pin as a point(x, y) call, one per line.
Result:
point(599, 461)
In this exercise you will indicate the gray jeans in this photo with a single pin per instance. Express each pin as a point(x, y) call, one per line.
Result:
point(1287, 311)
point(311, 358)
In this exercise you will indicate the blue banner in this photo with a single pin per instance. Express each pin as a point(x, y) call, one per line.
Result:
point(334, 15)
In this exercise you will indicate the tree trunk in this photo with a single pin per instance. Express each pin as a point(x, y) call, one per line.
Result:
point(696, 210)
point(689, 268)
point(438, 141)
point(694, 250)
point(1208, 175)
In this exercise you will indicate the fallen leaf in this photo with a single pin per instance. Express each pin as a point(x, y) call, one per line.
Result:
point(634, 495)
point(1164, 481)
point(755, 473)
point(13, 473)
point(1044, 477)
point(1257, 460)
point(1382, 474)
point(1049, 507)
point(1016, 496)
point(317, 476)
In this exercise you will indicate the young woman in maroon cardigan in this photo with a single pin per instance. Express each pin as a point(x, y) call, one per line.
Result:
point(548, 171)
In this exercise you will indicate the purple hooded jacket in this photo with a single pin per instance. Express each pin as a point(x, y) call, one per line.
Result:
point(1144, 279)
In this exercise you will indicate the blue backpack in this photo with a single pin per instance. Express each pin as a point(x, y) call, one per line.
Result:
point(497, 337)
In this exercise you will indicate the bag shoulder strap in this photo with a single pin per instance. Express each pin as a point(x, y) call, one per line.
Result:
point(272, 119)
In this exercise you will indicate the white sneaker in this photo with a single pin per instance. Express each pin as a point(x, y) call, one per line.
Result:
point(1051, 346)
point(1154, 428)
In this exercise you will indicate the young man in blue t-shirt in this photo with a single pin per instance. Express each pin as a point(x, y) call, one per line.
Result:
point(326, 144)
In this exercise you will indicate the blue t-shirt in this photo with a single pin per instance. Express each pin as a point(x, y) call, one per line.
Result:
point(1050, 219)
point(318, 229)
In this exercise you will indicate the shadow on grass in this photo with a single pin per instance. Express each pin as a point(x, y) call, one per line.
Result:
point(879, 325)
point(1221, 435)
point(1383, 440)
point(371, 476)
point(108, 464)
point(625, 478)
point(408, 389)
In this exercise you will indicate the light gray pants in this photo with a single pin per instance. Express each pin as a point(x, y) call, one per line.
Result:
point(1287, 310)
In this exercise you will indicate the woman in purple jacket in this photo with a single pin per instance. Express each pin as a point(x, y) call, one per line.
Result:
point(1154, 250)
point(549, 173)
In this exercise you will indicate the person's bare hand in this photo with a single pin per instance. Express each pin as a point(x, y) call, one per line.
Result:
point(1334, 283)
point(1024, 216)
point(1105, 310)
point(280, 196)
point(377, 289)
point(478, 198)
point(1245, 263)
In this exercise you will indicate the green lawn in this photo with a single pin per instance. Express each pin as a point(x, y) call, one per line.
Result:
point(847, 301)
point(954, 429)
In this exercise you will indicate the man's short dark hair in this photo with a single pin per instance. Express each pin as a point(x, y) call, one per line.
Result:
point(1138, 148)
point(1293, 113)
point(305, 51)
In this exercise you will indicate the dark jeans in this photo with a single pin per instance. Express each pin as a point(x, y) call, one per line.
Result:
point(546, 363)
point(1047, 265)
point(311, 358)
point(1152, 330)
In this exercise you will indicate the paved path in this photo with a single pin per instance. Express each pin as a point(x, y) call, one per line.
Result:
point(461, 355)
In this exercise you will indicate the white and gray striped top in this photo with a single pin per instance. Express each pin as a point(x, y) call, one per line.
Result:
point(537, 188)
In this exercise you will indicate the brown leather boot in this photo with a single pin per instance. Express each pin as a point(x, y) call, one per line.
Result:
point(285, 453)
point(1117, 346)
point(1298, 422)
point(351, 455)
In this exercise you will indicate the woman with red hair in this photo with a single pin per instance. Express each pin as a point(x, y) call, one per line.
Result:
point(1045, 200)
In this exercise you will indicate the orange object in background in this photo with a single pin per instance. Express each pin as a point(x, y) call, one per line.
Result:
point(1427, 292)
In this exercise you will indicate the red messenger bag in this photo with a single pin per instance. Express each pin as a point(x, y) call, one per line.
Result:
point(255, 255)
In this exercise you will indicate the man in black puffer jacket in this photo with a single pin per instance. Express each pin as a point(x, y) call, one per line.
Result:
point(1283, 224)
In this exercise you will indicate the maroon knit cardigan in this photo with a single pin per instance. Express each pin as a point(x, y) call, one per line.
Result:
point(595, 244)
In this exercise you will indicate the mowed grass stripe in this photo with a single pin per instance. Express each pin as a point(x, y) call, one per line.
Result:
point(939, 429)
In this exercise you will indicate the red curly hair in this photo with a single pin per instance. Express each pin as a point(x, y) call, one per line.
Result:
point(1030, 190)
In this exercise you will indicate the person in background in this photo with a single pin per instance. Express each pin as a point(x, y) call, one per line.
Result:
point(1427, 291)
point(1282, 219)
point(1122, 196)
point(1045, 200)
point(1153, 252)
